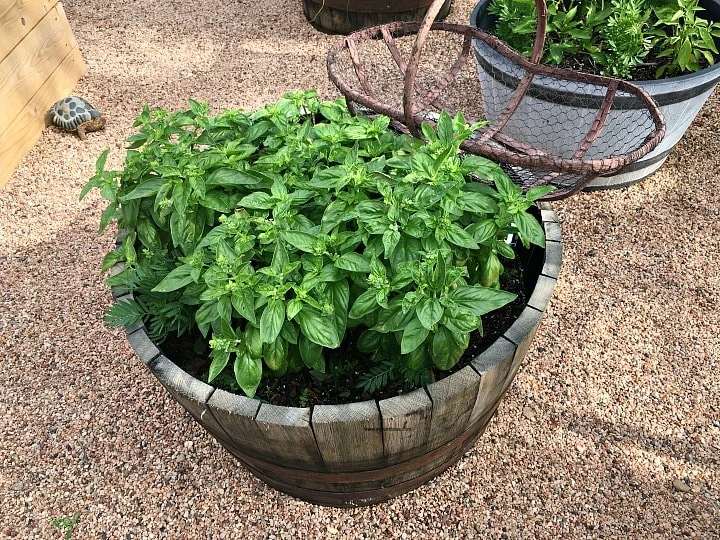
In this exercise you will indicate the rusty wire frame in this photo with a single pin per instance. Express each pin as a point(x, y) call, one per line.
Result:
point(568, 174)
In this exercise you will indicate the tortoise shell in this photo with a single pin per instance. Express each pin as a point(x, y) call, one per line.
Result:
point(74, 113)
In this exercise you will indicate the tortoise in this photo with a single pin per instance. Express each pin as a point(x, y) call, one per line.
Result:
point(74, 113)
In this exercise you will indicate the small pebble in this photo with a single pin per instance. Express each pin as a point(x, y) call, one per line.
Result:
point(680, 486)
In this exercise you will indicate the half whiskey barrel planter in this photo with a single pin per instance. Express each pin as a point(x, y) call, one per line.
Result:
point(679, 98)
point(368, 452)
point(344, 17)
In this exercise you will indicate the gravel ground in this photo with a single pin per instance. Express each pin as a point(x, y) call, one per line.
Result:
point(611, 428)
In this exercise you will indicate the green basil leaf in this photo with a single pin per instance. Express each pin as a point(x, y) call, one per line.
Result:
point(477, 202)
point(335, 213)
point(445, 351)
point(364, 304)
point(220, 360)
point(177, 229)
point(490, 271)
point(176, 279)
point(415, 360)
point(244, 303)
point(311, 354)
point(529, 229)
point(445, 130)
point(230, 178)
point(301, 240)
point(107, 216)
point(248, 372)
point(429, 312)
point(289, 332)
point(271, 320)
point(416, 227)
point(369, 341)
point(462, 322)
point(293, 308)
point(407, 249)
point(275, 355)
point(460, 237)
point(318, 328)
point(148, 188)
point(483, 230)
point(422, 164)
point(225, 308)
point(353, 262)
point(506, 188)
point(252, 341)
point(482, 167)
point(413, 336)
point(207, 314)
point(480, 300)
point(110, 259)
point(537, 192)
point(257, 201)
point(504, 249)
point(216, 200)
point(339, 292)
point(390, 239)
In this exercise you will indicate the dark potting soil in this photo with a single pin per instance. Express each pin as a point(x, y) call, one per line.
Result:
point(642, 72)
point(345, 365)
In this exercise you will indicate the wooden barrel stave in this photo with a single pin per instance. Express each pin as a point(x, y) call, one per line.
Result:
point(344, 17)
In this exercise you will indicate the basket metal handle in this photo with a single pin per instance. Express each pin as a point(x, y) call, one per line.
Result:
point(424, 31)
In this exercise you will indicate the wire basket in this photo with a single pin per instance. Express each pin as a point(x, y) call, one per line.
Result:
point(530, 129)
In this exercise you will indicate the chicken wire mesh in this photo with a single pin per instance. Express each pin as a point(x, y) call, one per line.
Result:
point(543, 125)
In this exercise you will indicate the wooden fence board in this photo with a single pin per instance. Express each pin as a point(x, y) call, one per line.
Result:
point(41, 69)
point(18, 18)
point(26, 69)
point(29, 124)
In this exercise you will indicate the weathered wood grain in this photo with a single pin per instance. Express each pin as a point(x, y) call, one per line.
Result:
point(453, 400)
point(542, 293)
point(18, 18)
point(493, 366)
point(335, 425)
point(289, 437)
point(547, 214)
point(406, 425)
point(146, 350)
point(522, 332)
point(25, 70)
point(552, 231)
point(188, 391)
point(553, 259)
point(27, 127)
point(236, 415)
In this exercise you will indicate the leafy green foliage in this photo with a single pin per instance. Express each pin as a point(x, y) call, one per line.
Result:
point(686, 41)
point(612, 37)
point(274, 232)
point(66, 525)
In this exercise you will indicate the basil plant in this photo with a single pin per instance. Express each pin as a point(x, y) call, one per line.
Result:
point(276, 232)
